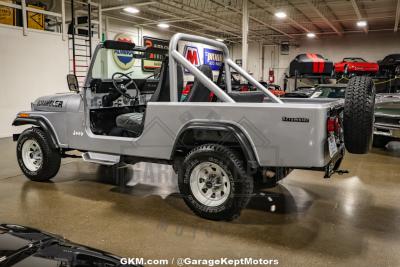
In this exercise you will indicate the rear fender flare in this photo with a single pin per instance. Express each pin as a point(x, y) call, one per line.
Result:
point(238, 133)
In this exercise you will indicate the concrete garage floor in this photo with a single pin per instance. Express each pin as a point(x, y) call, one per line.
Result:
point(347, 220)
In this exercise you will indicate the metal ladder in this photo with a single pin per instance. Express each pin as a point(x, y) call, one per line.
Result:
point(84, 25)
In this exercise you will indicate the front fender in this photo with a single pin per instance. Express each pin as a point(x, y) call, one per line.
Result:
point(41, 123)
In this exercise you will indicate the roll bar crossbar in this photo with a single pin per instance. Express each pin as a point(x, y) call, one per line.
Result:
point(175, 57)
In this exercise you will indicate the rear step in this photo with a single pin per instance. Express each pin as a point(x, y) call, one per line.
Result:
point(100, 158)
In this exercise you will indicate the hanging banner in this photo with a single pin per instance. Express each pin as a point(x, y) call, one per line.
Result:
point(213, 58)
point(157, 49)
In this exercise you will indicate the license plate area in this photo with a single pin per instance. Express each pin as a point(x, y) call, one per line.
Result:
point(332, 146)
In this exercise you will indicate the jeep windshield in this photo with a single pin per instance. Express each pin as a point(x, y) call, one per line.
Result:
point(109, 61)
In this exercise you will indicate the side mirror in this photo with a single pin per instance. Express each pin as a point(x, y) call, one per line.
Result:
point(73, 84)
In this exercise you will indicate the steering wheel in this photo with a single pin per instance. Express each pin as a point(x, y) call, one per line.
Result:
point(122, 86)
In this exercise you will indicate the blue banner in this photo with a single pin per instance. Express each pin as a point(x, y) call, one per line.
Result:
point(213, 58)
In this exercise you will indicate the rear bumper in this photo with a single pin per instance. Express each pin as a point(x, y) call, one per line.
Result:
point(334, 163)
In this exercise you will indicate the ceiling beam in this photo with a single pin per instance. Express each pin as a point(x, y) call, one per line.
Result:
point(272, 9)
point(210, 19)
point(110, 8)
point(174, 26)
point(238, 11)
point(358, 13)
point(203, 25)
point(314, 5)
point(397, 19)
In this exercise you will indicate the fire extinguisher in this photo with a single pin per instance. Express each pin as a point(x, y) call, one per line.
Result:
point(271, 76)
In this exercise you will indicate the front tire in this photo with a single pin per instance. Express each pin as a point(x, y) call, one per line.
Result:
point(214, 183)
point(36, 157)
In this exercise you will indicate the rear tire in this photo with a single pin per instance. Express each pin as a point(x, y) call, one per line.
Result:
point(359, 114)
point(214, 183)
point(36, 157)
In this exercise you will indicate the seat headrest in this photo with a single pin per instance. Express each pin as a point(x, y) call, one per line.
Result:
point(162, 93)
point(199, 92)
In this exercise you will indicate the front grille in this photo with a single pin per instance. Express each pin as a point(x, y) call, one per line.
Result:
point(388, 120)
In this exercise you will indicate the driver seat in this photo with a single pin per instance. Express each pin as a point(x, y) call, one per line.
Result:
point(133, 122)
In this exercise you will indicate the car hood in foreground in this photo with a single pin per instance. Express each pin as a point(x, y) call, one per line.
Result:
point(27, 247)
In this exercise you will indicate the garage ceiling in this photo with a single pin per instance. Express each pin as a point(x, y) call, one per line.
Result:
point(222, 18)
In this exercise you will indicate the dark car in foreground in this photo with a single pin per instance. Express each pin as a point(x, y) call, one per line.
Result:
point(22, 246)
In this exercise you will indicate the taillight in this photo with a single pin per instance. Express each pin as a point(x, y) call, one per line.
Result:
point(331, 125)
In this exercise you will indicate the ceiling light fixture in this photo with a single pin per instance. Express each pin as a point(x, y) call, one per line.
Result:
point(280, 15)
point(361, 23)
point(131, 9)
point(310, 35)
point(163, 25)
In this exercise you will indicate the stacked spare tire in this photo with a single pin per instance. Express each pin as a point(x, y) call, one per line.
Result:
point(358, 117)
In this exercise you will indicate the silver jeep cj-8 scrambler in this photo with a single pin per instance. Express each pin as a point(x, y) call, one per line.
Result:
point(221, 149)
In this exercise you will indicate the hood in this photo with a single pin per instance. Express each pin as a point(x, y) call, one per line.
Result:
point(22, 246)
point(57, 102)
point(387, 104)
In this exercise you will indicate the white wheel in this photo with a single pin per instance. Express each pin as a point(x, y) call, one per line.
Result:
point(210, 184)
point(213, 182)
point(36, 157)
point(32, 155)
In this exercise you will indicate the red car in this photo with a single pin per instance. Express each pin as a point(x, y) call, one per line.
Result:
point(355, 65)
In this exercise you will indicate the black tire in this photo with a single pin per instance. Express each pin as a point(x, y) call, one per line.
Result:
point(359, 114)
point(241, 184)
point(51, 158)
point(380, 141)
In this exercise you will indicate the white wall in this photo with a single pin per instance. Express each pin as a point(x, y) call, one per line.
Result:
point(373, 46)
point(30, 66)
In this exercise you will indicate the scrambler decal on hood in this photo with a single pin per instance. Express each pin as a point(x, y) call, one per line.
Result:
point(50, 103)
point(305, 120)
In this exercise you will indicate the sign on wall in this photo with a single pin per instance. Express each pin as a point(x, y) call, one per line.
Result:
point(35, 20)
point(123, 58)
point(285, 48)
point(7, 14)
point(153, 58)
point(191, 53)
point(213, 58)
